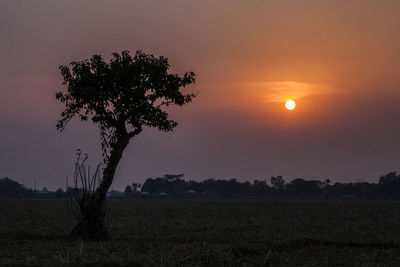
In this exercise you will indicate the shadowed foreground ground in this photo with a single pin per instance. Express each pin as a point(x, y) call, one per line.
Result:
point(206, 233)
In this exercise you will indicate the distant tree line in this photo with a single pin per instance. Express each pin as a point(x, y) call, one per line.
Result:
point(10, 188)
point(174, 186)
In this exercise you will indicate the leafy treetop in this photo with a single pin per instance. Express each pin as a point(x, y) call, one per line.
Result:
point(122, 95)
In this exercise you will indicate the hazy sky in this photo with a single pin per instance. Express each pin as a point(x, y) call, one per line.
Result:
point(338, 59)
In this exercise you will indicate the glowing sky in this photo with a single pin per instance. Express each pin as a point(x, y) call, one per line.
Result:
point(338, 59)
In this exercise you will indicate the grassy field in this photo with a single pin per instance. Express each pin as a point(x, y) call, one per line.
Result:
point(206, 233)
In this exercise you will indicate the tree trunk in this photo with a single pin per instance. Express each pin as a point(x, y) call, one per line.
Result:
point(92, 224)
point(93, 211)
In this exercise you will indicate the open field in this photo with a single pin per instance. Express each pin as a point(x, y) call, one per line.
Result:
point(206, 233)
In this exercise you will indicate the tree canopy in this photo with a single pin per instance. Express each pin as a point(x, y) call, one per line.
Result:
point(122, 95)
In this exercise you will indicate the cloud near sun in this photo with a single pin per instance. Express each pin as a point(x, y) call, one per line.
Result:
point(272, 92)
point(281, 91)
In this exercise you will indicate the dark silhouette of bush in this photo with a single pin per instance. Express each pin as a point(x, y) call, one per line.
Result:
point(11, 188)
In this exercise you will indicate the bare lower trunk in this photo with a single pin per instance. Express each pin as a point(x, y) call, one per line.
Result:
point(93, 212)
point(92, 224)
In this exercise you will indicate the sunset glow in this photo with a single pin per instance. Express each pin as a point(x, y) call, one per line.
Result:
point(241, 132)
point(290, 104)
point(337, 61)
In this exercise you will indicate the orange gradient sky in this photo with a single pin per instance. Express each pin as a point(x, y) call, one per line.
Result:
point(338, 60)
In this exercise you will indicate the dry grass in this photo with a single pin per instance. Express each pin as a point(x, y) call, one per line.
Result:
point(206, 233)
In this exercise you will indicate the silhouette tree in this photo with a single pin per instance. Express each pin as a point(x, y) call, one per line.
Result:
point(302, 188)
point(120, 96)
point(136, 187)
point(390, 185)
point(9, 187)
point(128, 191)
point(278, 183)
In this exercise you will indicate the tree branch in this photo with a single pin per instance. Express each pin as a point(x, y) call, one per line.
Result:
point(135, 132)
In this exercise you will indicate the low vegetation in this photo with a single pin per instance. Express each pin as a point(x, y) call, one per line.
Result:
point(206, 233)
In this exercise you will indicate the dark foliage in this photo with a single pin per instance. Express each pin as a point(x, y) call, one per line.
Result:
point(387, 188)
point(122, 95)
point(11, 188)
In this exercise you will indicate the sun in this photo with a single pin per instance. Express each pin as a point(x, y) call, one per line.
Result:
point(290, 104)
